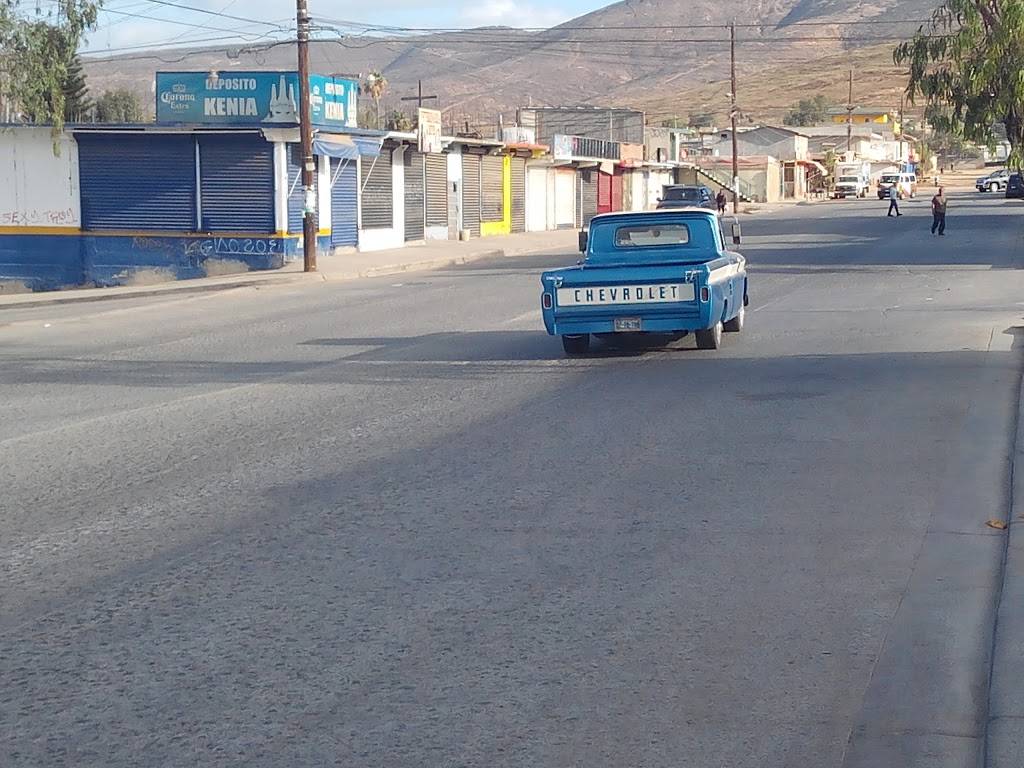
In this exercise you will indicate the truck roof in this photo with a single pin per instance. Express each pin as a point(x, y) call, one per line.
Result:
point(690, 210)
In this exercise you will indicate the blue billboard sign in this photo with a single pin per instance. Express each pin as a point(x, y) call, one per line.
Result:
point(252, 98)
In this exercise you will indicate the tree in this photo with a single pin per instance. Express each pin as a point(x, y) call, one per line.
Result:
point(808, 112)
point(36, 55)
point(967, 58)
point(399, 121)
point(120, 106)
point(376, 85)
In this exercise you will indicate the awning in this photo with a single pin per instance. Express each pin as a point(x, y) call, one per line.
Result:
point(346, 147)
point(816, 164)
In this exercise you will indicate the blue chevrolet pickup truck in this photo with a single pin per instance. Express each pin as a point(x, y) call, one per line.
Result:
point(660, 273)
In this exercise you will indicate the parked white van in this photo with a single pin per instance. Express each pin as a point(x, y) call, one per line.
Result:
point(906, 185)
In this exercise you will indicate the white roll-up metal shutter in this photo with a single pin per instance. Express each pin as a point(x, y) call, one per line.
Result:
point(436, 168)
point(536, 199)
point(565, 199)
point(518, 194)
point(492, 193)
point(471, 194)
point(377, 191)
point(414, 195)
point(344, 186)
point(236, 184)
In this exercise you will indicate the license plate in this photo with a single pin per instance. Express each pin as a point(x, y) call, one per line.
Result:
point(627, 324)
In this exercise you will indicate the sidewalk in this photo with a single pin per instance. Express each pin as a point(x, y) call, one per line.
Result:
point(343, 266)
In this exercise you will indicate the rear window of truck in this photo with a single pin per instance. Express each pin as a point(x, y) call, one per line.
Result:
point(651, 235)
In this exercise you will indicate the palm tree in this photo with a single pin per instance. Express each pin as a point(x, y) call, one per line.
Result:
point(376, 85)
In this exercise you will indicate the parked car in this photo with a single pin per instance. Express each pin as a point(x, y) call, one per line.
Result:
point(1015, 185)
point(994, 182)
point(660, 273)
point(906, 184)
point(683, 196)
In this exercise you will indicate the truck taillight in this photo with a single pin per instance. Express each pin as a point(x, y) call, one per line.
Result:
point(546, 301)
point(705, 293)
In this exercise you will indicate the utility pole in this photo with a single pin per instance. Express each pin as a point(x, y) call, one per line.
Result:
point(306, 134)
point(849, 116)
point(732, 116)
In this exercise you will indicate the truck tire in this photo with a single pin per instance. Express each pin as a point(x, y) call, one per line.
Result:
point(711, 338)
point(736, 324)
point(576, 345)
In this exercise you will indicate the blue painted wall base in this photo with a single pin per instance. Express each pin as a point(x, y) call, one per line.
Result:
point(46, 262)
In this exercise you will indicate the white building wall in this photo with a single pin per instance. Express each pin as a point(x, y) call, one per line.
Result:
point(638, 183)
point(40, 187)
point(454, 191)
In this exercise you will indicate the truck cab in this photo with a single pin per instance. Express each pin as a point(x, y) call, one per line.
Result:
point(662, 273)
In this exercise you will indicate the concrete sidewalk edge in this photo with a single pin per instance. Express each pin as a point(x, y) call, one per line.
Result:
point(253, 279)
point(1004, 726)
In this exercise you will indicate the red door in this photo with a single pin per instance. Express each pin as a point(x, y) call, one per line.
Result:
point(604, 193)
point(617, 190)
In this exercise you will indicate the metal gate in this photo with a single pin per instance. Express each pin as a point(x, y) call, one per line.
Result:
point(376, 183)
point(236, 184)
point(493, 188)
point(588, 197)
point(344, 196)
point(137, 182)
point(414, 195)
point(471, 194)
point(518, 194)
point(436, 169)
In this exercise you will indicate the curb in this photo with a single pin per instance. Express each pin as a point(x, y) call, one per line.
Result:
point(270, 278)
point(1004, 735)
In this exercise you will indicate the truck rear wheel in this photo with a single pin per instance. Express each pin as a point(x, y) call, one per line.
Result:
point(736, 324)
point(711, 338)
point(576, 345)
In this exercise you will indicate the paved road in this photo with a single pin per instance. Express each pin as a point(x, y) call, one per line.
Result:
point(384, 523)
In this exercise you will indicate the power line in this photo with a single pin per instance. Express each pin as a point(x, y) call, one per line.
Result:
point(574, 27)
point(176, 21)
point(219, 14)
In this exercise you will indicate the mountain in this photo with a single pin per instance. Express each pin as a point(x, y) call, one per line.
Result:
point(669, 57)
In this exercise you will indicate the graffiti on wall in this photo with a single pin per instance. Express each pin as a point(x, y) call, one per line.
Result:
point(40, 217)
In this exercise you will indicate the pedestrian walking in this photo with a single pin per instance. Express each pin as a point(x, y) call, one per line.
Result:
point(894, 196)
point(720, 200)
point(939, 212)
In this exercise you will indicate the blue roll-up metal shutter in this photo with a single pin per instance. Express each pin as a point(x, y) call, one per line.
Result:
point(344, 186)
point(436, 168)
point(236, 183)
point(137, 182)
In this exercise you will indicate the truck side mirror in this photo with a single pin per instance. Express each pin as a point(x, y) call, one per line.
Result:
point(737, 236)
point(583, 240)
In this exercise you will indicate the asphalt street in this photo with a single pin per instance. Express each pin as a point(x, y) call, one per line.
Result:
point(384, 524)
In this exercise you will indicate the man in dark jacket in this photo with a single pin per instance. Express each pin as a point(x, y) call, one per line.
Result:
point(720, 200)
point(939, 212)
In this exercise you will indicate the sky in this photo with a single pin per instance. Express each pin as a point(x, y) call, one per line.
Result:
point(121, 27)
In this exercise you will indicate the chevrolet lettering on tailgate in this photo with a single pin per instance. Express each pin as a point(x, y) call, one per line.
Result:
point(625, 294)
point(658, 273)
